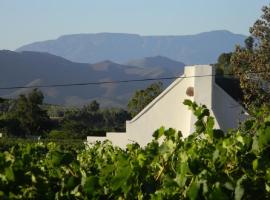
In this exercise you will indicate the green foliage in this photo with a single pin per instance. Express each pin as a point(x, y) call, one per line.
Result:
point(25, 116)
point(142, 98)
point(31, 117)
point(5, 105)
point(90, 120)
point(223, 65)
point(249, 43)
point(92, 107)
point(82, 123)
point(55, 111)
point(252, 62)
point(208, 164)
point(114, 119)
point(58, 134)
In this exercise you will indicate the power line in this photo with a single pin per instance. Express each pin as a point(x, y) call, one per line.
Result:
point(87, 83)
point(115, 81)
point(102, 82)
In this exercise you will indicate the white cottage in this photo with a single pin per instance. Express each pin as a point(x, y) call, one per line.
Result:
point(168, 110)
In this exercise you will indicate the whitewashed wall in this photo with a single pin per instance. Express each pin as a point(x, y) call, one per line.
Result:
point(168, 109)
point(228, 113)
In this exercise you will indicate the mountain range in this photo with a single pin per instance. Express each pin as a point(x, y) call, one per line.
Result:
point(102, 57)
point(36, 68)
point(203, 48)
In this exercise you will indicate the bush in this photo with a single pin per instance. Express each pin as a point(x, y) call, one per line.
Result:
point(208, 164)
point(58, 134)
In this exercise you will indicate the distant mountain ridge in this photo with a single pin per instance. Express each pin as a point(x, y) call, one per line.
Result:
point(203, 48)
point(157, 62)
point(35, 68)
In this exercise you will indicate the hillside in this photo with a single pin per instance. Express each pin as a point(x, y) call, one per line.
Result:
point(203, 48)
point(157, 62)
point(33, 68)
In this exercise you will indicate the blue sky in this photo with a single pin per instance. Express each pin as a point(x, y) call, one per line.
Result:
point(26, 21)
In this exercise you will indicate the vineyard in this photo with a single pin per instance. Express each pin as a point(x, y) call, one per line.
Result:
point(209, 164)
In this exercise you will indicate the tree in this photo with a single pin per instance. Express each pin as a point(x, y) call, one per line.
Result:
point(249, 42)
point(223, 66)
point(32, 119)
point(114, 119)
point(90, 120)
point(92, 107)
point(142, 98)
point(2, 100)
point(5, 105)
point(252, 62)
